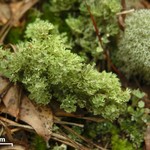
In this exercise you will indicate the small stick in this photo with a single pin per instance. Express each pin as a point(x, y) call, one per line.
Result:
point(19, 102)
point(12, 123)
point(78, 146)
point(94, 119)
point(68, 123)
point(101, 43)
point(123, 3)
point(65, 142)
point(125, 12)
point(83, 138)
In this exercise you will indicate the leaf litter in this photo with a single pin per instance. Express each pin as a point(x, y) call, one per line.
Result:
point(39, 117)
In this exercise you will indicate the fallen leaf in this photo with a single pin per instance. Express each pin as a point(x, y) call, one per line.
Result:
point(17, 9)
point(39, 117)
point(3, 84)
point(10, 101)
point(5, 13)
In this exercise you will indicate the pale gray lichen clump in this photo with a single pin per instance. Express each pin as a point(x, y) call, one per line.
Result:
point(48, 70)
point(133, 55)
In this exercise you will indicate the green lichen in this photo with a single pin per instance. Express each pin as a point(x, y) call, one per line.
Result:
point(133, 56)
point(48, 70)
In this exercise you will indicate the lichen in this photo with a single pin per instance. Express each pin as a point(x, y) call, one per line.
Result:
point(133, 56)
point(48, 70)
point(74, 18)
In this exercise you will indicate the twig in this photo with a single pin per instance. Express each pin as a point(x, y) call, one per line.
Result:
point(68, 141)
point(123, 3)
point(68, 123)
point(83, 138)
point(94, 119)
point(59, 136)
point(65, 142)
point(8, 132)
point(12, 123)
point(125, 12)
point(100, 41)
point(13, 47)
point(10, 137)
point(19, 102)
point(121, 18)
point(94, 24)
point(4, 31)
point(79, 146)
point(63, 139)
point(15, 130)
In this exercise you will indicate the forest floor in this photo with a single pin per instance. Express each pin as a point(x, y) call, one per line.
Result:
point(30, 126)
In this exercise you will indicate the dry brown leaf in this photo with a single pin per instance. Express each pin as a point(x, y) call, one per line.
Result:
point(3, 84)
point(7, 10)
point(17, 9)
point(39, 117)
point(5, 13)
point(10, 101)
point(15, 6)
